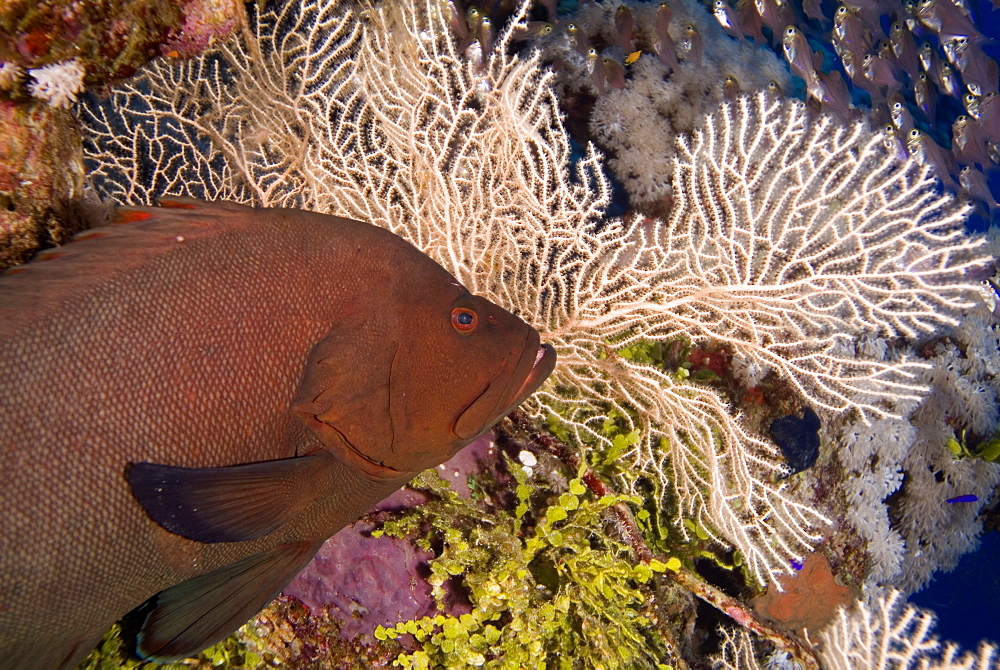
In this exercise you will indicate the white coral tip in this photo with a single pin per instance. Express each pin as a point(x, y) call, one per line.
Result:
point(58, 84)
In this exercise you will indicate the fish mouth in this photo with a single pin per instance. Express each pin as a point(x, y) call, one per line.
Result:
point(545, 363)
point(533, 366)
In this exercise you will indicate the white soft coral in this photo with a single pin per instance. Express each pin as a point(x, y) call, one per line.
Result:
point(57, 84)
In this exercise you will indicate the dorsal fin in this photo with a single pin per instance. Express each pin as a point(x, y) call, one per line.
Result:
point(135, 236)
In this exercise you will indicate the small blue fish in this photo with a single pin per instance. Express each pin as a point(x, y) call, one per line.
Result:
point(796, 564)
point(968, 497)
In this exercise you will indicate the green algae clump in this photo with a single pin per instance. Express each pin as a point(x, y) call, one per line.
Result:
point(547, 589)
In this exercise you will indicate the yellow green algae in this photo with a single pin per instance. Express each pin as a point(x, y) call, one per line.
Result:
point(546, 587)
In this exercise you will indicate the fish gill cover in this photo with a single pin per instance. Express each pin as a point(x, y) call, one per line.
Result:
point(820, 265)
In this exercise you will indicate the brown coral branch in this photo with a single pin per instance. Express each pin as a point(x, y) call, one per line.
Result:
point(629, 533)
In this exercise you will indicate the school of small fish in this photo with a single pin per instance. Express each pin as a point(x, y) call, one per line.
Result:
point(931, 88)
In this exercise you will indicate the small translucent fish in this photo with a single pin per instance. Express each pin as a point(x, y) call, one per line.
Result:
point(614, 73)
point(928, 58)
point(973, 182)
point(596, 70)
point(925, 95)
point(578, 39)
point(663, 16)
point(532, 29)
point(948, 80)
point(798, 53)
point(539, 28)
point(730, 87)
point(852, 33)
point(956, 51)
point(892, 142)
point(624, 27)
point(967, 498)
point(946, 20)
point(971, 102)
point(968, 142)
point(901, 117)
point(927, 152)
point(880, 72)
point(726, 17)
point(666, 50)
point(990, 294)
point(775, 14)
point(905, 48)
point(691, 45)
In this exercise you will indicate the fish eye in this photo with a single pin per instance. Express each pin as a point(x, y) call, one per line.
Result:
point(464, 320)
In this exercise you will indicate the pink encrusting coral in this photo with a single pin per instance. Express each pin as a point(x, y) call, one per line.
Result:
point(206, 22)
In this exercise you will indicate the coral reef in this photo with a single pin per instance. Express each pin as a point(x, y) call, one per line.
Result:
point(638, 124)
point(809, 598)
point(49, 51)
point(41, 177)
point(886, 635)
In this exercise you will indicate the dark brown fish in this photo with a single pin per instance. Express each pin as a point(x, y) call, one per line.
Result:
point(194, 400)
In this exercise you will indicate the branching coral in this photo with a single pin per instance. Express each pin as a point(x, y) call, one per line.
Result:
point(787, 241)
point(889, 634)
point(893, 634)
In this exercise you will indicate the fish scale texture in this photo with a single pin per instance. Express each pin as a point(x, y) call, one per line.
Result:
point(167, 345)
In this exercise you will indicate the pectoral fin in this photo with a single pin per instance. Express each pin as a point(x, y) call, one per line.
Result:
point(230, 504)
point(198, 613)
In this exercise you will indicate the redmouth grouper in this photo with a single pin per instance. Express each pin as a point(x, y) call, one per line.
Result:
point(194, 398)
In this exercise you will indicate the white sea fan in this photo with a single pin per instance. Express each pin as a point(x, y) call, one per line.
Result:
point(886, 634)
point(58, 84)
point(891, 634)
point(787, 239)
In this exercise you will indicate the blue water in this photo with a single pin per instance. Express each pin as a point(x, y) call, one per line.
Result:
point(967, 600)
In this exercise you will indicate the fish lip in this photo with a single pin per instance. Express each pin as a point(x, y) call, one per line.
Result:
point(541, 368)
point(545, 363)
